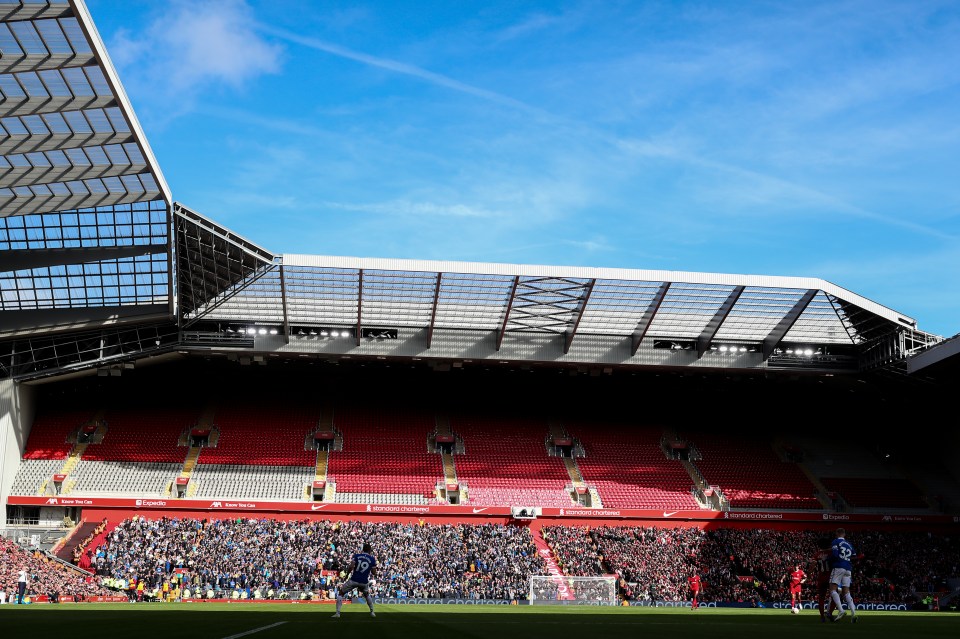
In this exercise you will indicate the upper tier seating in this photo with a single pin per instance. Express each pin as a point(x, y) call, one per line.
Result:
point(506, 462)
point(48, 436)
point(885, 492)
point(143, 434)
point(628, 467)
point(263, 434)
point(384, 451)
point(750, 473)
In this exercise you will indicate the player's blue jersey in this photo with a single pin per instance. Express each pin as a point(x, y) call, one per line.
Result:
point(842, 552)
point(363, 564)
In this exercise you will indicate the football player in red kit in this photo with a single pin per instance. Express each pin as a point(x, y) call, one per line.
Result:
point(796, 579)
point(822, 566)
point(695, 585)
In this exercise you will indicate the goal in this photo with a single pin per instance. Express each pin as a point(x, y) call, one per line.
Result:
point(559, 590)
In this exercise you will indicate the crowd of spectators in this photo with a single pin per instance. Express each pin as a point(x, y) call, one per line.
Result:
point(749, 564)
point(223, 557)
point(44, 575)
point(263, 558)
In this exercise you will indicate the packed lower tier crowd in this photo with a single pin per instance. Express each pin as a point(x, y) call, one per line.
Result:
point(218, 558)
point(263, 558)
point(43, 576)
point(750, 564)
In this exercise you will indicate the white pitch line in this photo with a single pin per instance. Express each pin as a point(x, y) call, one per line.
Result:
point(250, 632)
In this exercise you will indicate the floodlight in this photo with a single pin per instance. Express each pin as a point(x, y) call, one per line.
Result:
point(723, 349)
point(251, 331)
point(322, 333)
point(273, 331)
point(263, 331)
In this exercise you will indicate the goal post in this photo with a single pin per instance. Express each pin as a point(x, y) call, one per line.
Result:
point(560, 590)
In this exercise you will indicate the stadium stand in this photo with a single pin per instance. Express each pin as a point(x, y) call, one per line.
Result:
point(143, 433)
point(384, 451)
point(506, 462)
point(51, 428)
point(861, 492)
point(251, 482)
point(32, 474)
point(628, 467)
point(262, 434)
point(750, 473)
point(123, 478)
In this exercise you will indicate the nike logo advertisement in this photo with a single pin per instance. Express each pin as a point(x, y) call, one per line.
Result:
point(478, 510)
point(317, 506)
point(666, 514)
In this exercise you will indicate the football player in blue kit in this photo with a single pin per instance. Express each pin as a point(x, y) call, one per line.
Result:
point(361, 570)
point(840, 577)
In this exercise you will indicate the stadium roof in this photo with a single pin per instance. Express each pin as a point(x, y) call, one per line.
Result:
point(93, 247)
point(83, 205)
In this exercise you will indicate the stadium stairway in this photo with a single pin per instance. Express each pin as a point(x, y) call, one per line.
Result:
point(319, 474)
point(81, 532)
point(189, 465)
point(543, 548)
point(448, 459)
point(69, 465)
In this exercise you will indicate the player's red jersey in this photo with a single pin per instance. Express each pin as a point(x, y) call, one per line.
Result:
point(822, 563)
point(694, 583)
point(796, 577)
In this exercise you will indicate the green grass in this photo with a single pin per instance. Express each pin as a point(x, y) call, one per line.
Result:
point(216, 621)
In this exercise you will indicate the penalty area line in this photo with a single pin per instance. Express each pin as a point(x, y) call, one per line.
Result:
point(250, 632)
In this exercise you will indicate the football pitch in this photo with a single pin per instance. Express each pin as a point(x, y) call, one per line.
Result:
point(271, 621)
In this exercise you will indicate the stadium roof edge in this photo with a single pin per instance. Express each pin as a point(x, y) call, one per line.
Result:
point(589, 272)
point(110, 71)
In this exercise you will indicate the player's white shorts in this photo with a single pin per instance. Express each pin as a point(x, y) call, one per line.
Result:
point(841, 577)
point(350, 584)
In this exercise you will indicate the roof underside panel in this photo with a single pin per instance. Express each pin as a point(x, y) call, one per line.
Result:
point(819, 323)
point(616, 307)
point(337, 296)
point(68, 136)
point(757, 312)
point(687, 309)
point(473, 302)
point(141, 277)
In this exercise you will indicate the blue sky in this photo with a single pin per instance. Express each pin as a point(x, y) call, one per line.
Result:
point(816, 139)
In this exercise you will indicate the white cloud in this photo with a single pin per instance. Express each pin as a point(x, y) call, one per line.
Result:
point(194, 44)
point(416, 209)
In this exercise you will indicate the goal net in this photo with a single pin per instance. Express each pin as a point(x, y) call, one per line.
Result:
point(559, 590)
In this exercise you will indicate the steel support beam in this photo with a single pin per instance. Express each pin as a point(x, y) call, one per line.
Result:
point(506, 312)
point(433, 311)
point(283, 298)
point(644, 324)
point(25, 259)
point(581, 307)
point(786, 323)
point(710, 330)
point(359, 304)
